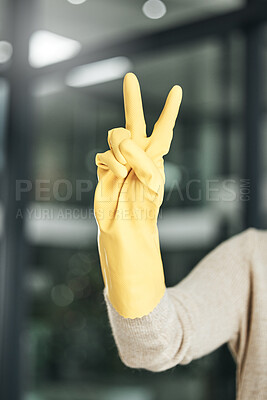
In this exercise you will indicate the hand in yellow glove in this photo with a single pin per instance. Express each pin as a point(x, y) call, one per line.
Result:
point(127, 201)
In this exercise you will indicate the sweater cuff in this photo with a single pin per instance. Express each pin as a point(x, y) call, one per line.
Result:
point(157, 314)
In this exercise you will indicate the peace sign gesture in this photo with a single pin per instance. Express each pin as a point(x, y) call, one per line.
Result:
point(127, 200)
point(131, 149)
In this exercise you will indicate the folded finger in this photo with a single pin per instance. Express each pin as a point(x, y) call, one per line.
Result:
point(143, 166)
point(108, 161)
point(115, 137)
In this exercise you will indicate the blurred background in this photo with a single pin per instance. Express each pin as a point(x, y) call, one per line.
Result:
point(61, 69)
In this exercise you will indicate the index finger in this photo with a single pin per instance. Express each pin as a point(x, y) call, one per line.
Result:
point(134, 114)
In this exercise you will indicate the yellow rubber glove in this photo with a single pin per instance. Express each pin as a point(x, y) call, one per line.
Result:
point(127, 201)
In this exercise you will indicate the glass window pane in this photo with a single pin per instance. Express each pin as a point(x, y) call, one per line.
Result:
point(67, 341)
point(101, 22)
point(68, 328)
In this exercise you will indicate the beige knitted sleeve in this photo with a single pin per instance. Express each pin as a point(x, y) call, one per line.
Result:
point(194, 317)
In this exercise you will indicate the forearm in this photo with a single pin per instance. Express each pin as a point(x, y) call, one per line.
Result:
point(132, 267)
